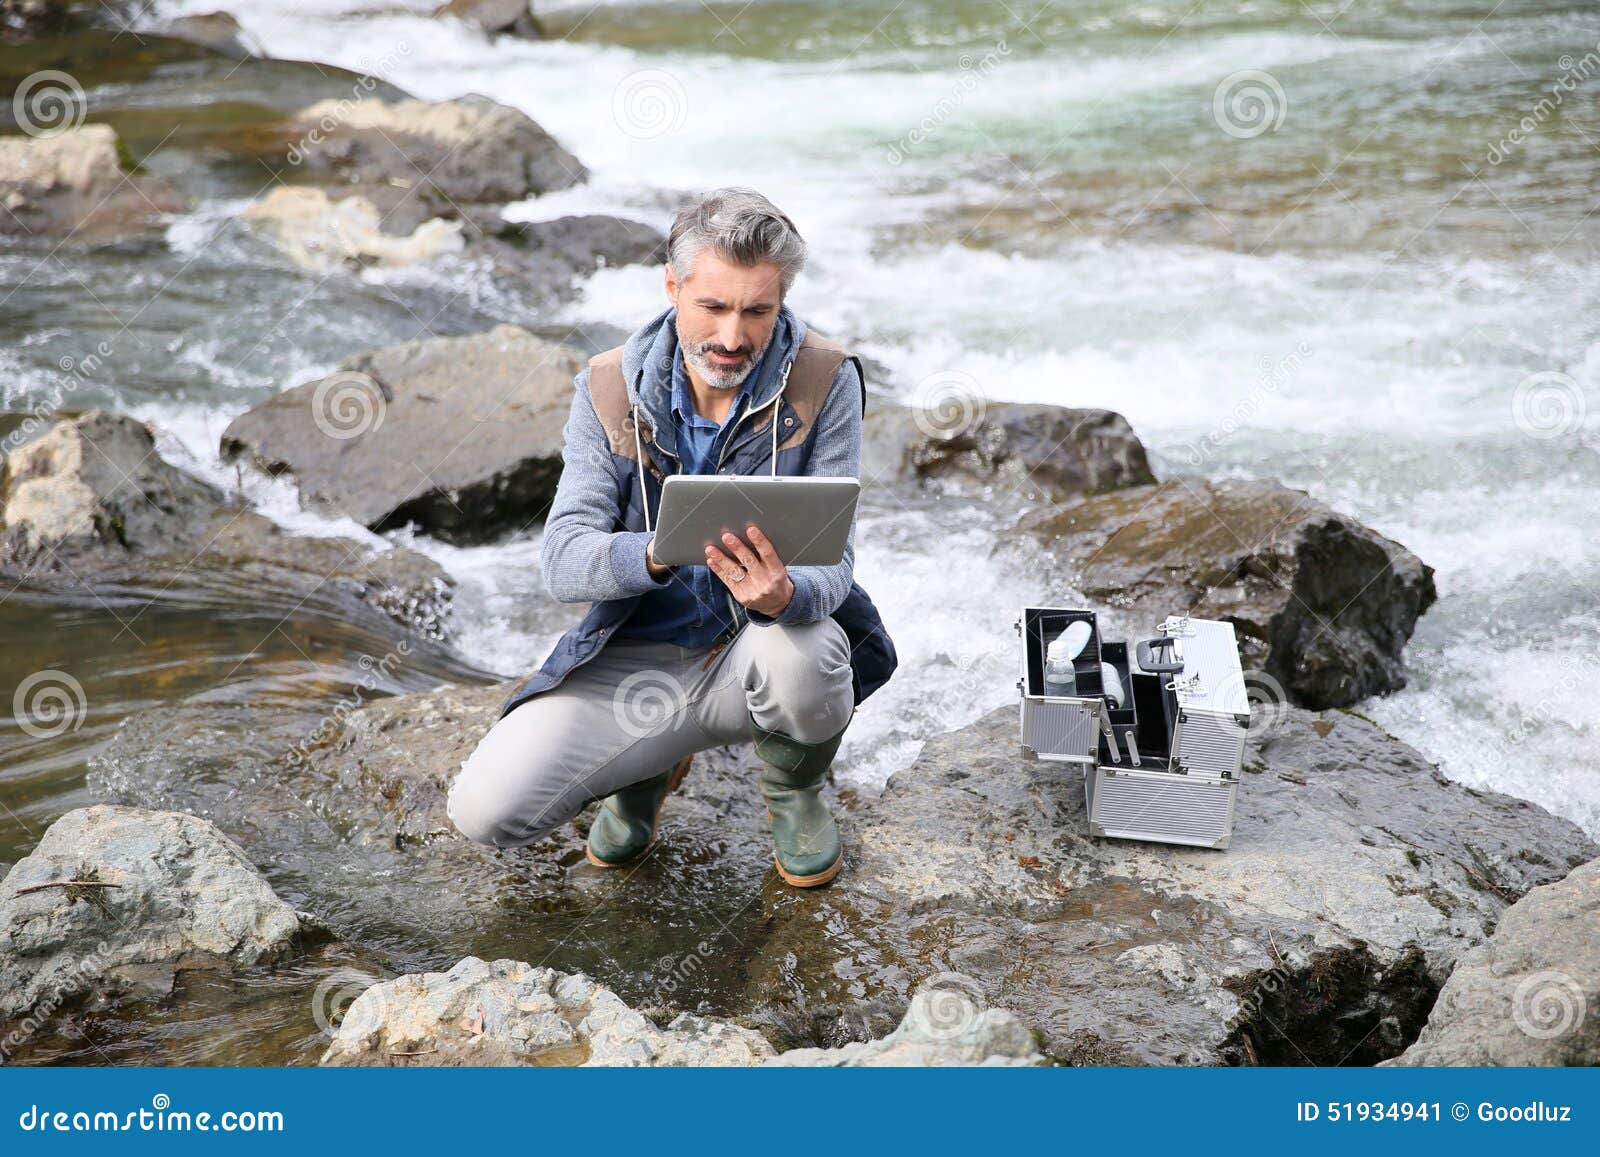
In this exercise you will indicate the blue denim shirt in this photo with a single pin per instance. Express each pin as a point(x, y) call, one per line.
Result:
point(692, 609)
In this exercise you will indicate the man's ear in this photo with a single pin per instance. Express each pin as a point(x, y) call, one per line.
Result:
point(672, 286)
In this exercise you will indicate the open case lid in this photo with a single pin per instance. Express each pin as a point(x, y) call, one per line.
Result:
point(1211, 679)
point(1038, 626)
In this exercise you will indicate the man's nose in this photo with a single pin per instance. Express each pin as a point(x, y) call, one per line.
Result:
point(730, 336)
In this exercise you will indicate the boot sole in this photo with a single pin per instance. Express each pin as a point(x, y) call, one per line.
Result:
point(680, 772)
point(809, 881)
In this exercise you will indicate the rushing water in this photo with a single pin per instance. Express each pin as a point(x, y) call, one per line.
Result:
point(1362, 277)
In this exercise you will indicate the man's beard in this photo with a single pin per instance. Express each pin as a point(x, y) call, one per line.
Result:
point(697, 354)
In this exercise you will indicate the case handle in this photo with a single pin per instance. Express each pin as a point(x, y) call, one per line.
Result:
point(1144, 651)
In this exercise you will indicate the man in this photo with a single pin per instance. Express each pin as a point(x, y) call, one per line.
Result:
point(674, 660)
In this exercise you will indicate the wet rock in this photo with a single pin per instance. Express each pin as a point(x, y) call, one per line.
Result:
point(154, 894)
point(496, 17)
point(95, 481)
point(540, 262)
point(1356, 878)
point(582, 243)
point(1531, 994)
point(459, 151)
point(89, 502)
point(72, 183)
point(218, 31)
point(461, 435)
point(1033, 453)
point(1320, 603)
point(942, 1027)
point(319, 233)
point(508, 1012)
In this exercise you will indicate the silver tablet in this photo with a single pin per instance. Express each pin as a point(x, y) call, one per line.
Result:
point(807, 518)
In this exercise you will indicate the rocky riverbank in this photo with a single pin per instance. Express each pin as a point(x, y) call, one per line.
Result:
point(1360, 883)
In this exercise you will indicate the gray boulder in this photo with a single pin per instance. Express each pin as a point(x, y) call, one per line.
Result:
point(1023, 453)
point(89, 502)
point(539, 261)
point(1531, 994)
point(1320, 603)
point(461, 435)
point(119, 899)
point(436, 153)
point(510, 1013)
point(72, 183)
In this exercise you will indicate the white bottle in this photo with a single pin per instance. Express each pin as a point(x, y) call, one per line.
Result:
point(1059, 676)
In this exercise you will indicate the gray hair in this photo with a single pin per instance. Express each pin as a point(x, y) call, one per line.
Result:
point(741, 226)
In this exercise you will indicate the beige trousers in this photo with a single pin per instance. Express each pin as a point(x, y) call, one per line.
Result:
point(638, 707)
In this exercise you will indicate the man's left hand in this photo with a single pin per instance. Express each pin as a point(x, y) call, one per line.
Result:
point(757, 578)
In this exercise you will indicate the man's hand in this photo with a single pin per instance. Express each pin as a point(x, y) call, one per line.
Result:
point(758, 578)
point(656, 569)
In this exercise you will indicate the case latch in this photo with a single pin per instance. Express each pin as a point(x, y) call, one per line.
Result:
point(1186, 685)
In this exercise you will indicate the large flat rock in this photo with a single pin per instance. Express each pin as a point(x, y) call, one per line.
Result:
point(1358, 876)
point(461, 435)
point(1320, 603)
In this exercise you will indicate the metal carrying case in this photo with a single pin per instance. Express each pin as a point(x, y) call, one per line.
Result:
point(1164, 765)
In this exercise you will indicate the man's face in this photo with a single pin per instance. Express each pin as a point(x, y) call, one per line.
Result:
point(726, 316)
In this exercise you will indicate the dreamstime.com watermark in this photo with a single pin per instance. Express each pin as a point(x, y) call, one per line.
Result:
point(75, 372)
point(1249, 102)
point(677, 972)
point(67, 984)
point(160, 1117)
point(1273, 377)
point(1573, 72)
point(298, 755)
point(1580, 672)
point(1548, 1004)
point(948, 405)
point(49, 103)
point(342, 109)
point(650, 103)
point(972, 73)
point(49, 703)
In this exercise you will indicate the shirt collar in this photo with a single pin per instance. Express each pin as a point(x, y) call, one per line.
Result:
point(683, 407)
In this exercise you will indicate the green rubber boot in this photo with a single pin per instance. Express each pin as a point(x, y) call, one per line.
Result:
point(625, 827)
point(805, 839)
